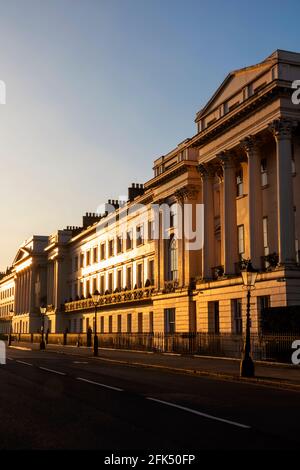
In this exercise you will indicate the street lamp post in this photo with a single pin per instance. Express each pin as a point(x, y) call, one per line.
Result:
point(10, 330)
point(43, 313)
point(247, 365)
point(95, 299)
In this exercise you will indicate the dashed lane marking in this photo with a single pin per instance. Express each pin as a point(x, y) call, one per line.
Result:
point(53, 371)
point(23, 362)
point(100, 384)
point(199, 413)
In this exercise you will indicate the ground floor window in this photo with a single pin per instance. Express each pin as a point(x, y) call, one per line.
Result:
point(110, 324)
point(140, 322)
point(119, 323)
point(102, 324)
point(263, 302)
point(169, 314)
point(213, 317)
point(129, 323)
point(151, 322)
point(236, 306)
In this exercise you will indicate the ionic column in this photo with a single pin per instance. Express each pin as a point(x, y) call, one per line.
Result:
point(16, 303)
point(21, 292)
point(179, 195)
point(282, 131)
point(229, 213)
point(29, 291)
point(255, 227)
point(207, 173)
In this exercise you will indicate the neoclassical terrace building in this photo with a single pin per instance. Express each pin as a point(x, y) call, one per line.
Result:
point(243, 167)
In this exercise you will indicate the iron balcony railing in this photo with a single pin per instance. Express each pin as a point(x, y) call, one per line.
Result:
point(135, 295)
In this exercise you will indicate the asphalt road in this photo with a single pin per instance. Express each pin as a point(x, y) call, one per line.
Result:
point(50, 400)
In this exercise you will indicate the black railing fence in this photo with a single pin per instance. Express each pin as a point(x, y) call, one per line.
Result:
point(264, 347)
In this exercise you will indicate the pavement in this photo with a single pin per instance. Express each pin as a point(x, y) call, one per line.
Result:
point(267, 373)
point(64, 398)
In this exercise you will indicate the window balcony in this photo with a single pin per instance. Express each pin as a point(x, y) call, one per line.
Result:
point(217, 272)
point(125, 296)
point(170, 286)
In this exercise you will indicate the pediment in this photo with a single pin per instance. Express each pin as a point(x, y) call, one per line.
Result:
point(21, 255)
point(235, 82)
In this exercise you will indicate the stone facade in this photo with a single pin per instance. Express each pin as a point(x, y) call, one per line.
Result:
point(236, 181)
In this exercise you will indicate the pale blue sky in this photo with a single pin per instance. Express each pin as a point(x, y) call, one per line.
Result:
point(97, 89)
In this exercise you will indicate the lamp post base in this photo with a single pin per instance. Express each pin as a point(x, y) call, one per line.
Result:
point(247, 367)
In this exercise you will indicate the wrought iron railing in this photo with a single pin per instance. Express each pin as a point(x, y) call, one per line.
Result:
point(270, 347)
point(125, 296)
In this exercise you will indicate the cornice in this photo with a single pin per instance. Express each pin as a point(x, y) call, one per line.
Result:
point(267, 94)
point(179, 169)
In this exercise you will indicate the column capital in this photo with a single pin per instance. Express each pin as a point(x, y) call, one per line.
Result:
point(227, 159)
point(188, 192)
point(250, 144)
point(281, 128)
point(206, 170)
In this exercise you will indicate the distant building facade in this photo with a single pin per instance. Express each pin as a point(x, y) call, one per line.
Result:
point(242, 168)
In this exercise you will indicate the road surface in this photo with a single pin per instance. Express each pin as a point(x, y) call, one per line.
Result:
point(50, 400)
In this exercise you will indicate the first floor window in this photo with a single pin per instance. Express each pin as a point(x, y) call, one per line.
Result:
point(139, 275)
point(241, 240)
point(129, 240)
point(111, 248)
point(110, 282)
point(119, 279)
point(95, 254)
point(94, 285)
point(169, 320)
point(265, 239)
point(129, 278)
point(139, 235)
point(263, 172)
point(102, 284)
point(102, 251)
point(151, 271)
point(239, 183)
point(173, 259)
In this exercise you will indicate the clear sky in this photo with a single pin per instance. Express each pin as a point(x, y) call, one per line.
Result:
point(97, 89)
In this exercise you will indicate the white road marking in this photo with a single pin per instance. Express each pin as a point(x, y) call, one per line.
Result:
point(204, 415)
point(20, 348)
point(25, 363)
point(10, 358)
point(51, 370)
point(100, 385)
point(79, 362)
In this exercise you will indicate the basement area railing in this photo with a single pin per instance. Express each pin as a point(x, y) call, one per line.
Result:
point(276, 347)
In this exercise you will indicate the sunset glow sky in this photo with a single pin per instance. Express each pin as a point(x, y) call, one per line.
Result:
point(97, 89)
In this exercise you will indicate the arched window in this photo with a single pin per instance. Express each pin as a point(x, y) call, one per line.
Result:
point(173, 259)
